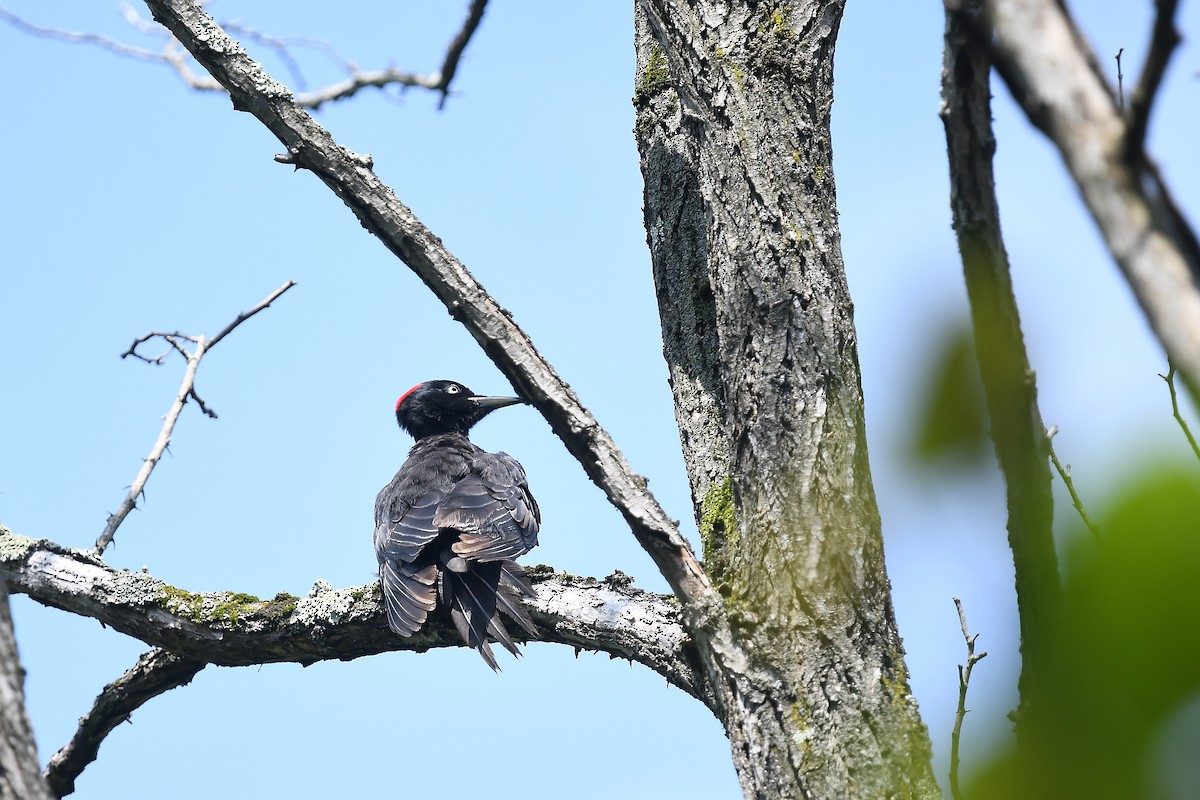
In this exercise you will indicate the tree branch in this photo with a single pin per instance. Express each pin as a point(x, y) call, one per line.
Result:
point(1163, 40)
point(380, 212)
point(1052, 74)
point(186, 389)
point(964, 683)
point(1018, 433)
point(233, 629)
point(154, 673)
point(457, 46)
point(175, 57)
point(1187, 431)
point(1065, 474)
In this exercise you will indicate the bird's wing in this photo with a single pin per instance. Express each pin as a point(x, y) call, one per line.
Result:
point(409, 581)
point(409, 594)
point(492, 510)
point(401, 535)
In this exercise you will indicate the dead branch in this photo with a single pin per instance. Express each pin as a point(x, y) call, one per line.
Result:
point(155, 673)
point(964, 682)
point(1164, 38)
point(187, 389)
point(232, 629)
point(174, 56)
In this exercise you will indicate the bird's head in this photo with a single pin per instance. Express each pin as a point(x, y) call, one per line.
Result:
point(436, 407)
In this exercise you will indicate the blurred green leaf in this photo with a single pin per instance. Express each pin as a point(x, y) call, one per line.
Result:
point(1126, 653)
point(951, 418)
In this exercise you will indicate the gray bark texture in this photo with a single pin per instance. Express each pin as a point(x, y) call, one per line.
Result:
point(231, 629)
point(733, 103)
point(19, 775)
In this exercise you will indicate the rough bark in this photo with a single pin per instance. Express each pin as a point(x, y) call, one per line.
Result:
point(733, 107)
point(154, 673)
point(20, 778)
point(798, 654)
point(1010, 387)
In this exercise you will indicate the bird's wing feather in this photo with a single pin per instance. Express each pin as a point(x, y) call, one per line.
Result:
point(492, 509)
point(408, 594)
point(409, 531)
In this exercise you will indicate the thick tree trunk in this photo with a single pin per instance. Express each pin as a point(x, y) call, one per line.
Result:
point(733, 107)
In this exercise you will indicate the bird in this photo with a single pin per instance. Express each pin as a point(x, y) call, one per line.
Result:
point(451, 522)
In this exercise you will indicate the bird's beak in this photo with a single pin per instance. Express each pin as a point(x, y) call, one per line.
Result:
point(495, 402)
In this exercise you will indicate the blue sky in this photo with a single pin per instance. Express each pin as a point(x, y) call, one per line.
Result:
point(130, 203)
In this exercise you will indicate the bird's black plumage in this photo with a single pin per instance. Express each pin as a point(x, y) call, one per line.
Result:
point(450, 524)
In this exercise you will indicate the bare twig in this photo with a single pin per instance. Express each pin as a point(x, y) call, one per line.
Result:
point(245, 315)
point(344, 90)
point(458, 45)
point(171, 54)
point(1170, 379)
point(174, 56)
point(1065, 474)
point(1164, 38)
point(964, 681)
point(437, 81)
point(156, 672)
point(112, 45)
point(1120, 81)
point(187, 389)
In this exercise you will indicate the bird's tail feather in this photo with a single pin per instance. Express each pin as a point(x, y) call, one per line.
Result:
point(511, 591)
point(475, 596)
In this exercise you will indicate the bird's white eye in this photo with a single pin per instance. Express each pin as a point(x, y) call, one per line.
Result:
point(452, 389)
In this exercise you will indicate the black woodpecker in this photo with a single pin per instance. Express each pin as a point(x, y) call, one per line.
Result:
point(449, 525)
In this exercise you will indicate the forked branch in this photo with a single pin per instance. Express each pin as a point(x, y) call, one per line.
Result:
point(1164, 38)
point(964, 683)
point(156, 672)
point(187, 389)
point(1049, 68)
point(174, 56)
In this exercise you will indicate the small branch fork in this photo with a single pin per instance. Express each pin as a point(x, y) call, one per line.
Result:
point(1055, 77)
point(1164, 38)
point(964, 681)
point(173, 55)
point(155, 673)
point(1065, 474)
point(1170, 379)
point(187, 389)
